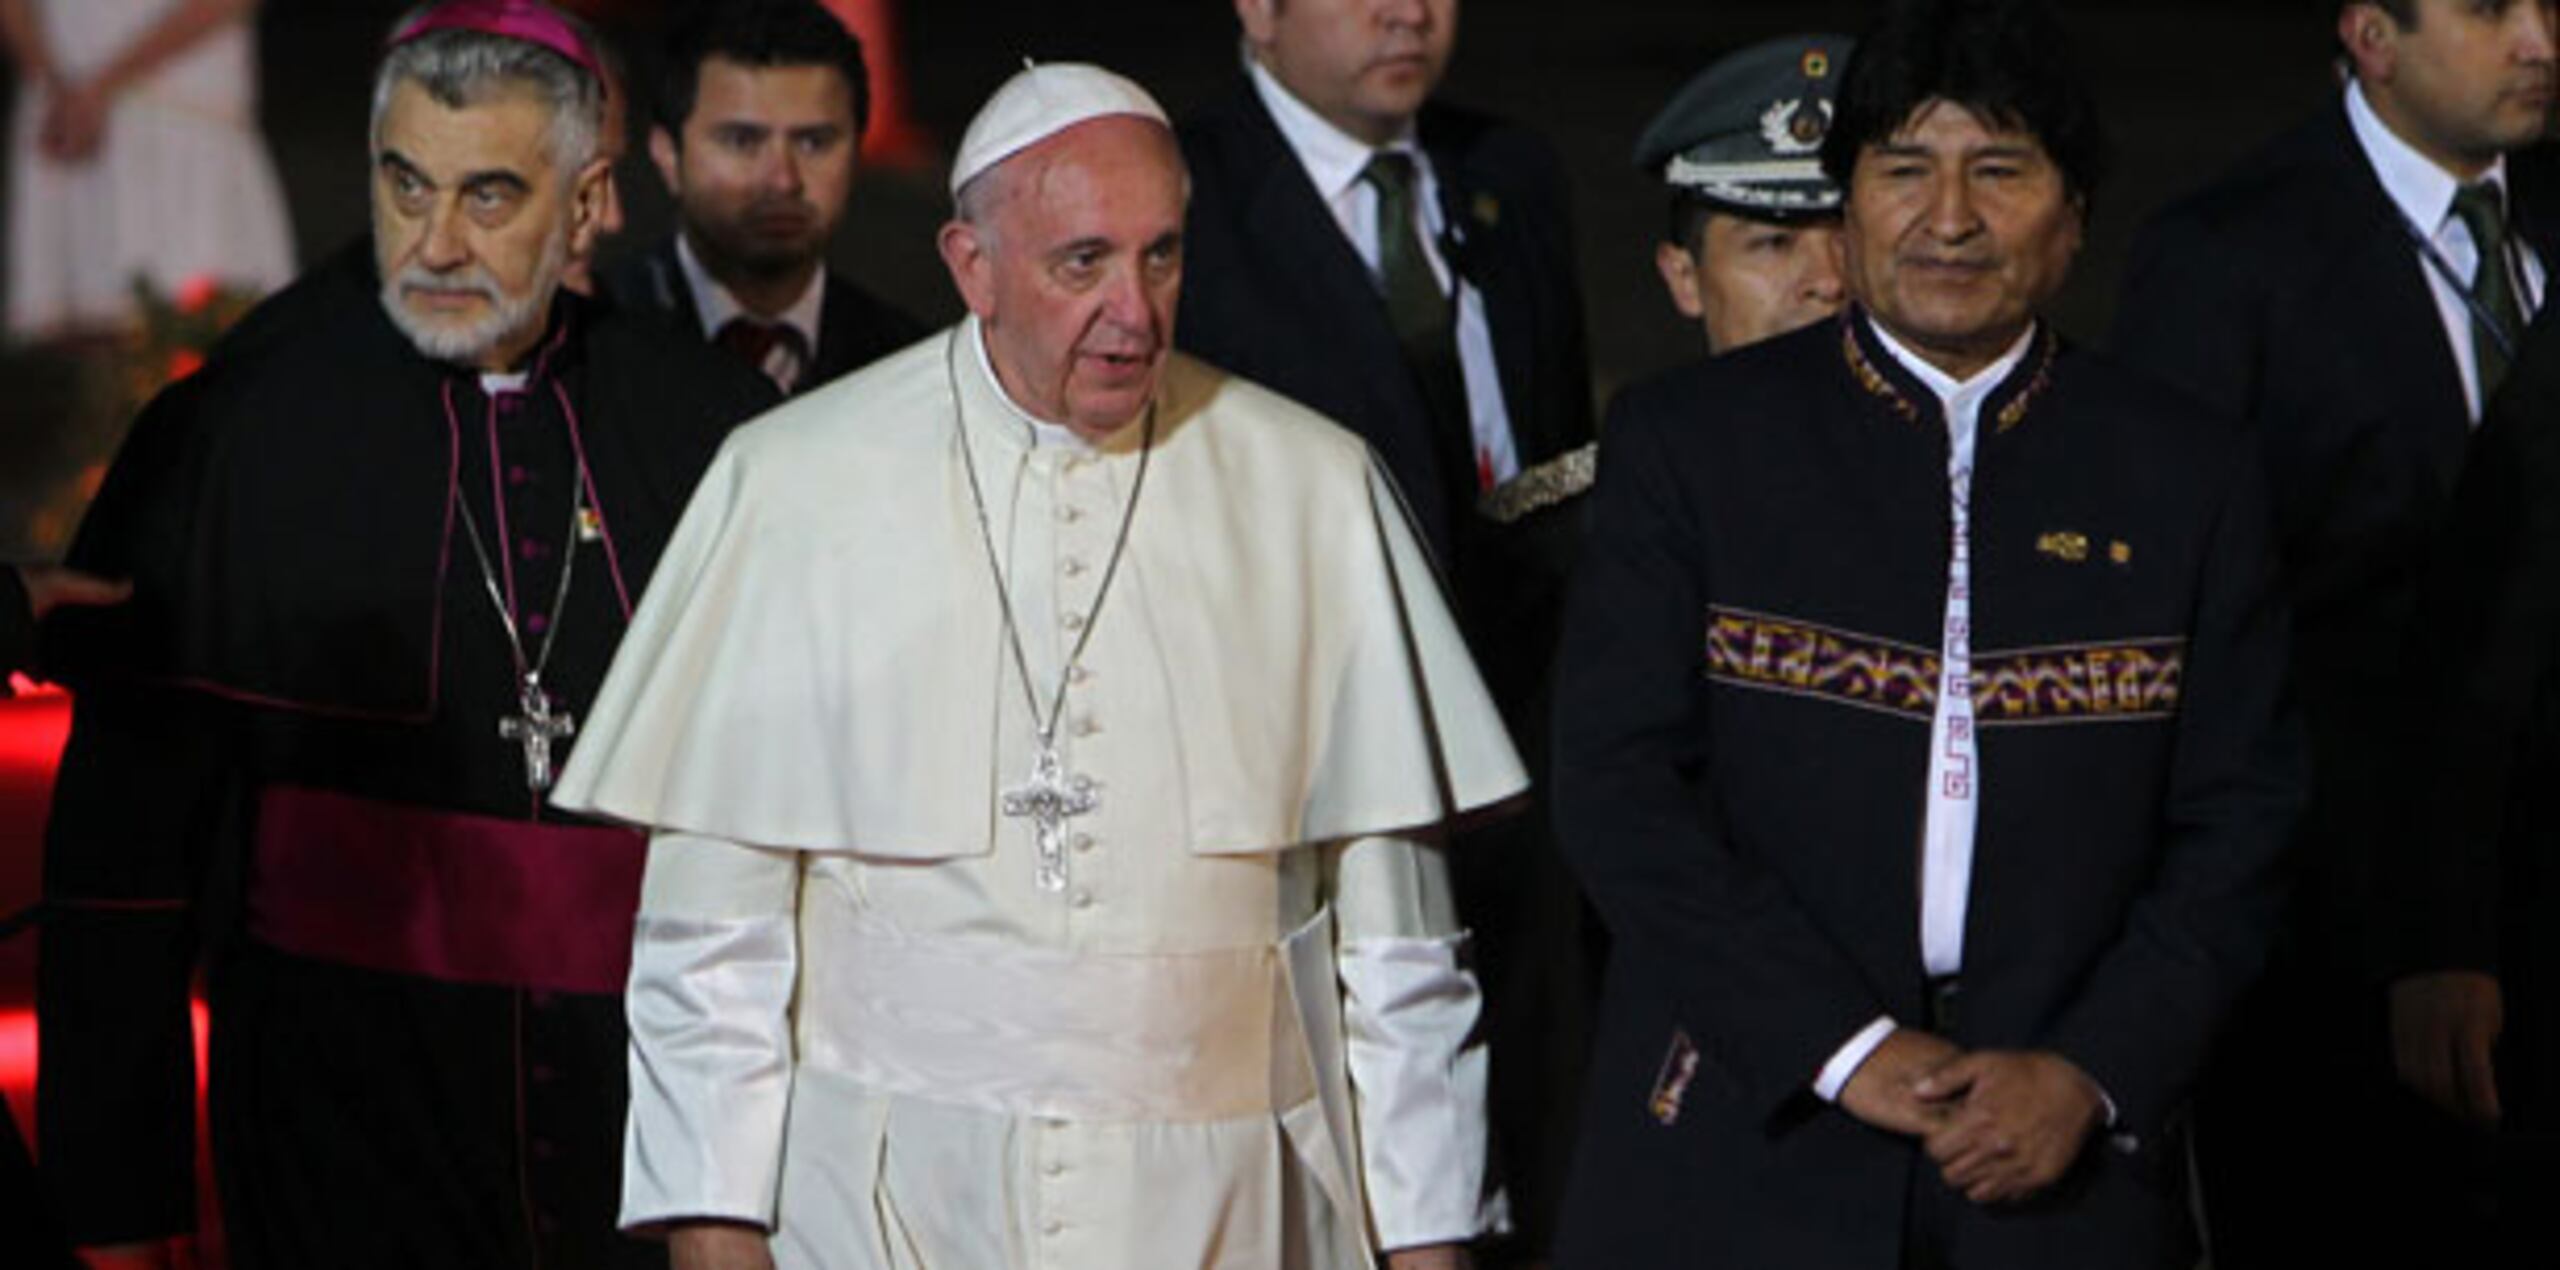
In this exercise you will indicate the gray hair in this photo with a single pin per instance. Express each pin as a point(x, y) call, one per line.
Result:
point(460, 68)
point(974, 204)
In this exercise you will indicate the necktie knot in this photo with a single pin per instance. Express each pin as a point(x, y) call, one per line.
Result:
point(758, 343)
point(2482, 209)
point(1390, 172)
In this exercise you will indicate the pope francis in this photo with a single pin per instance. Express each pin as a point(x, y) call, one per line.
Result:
point(1046, 740)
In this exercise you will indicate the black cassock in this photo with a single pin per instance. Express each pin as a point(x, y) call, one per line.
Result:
point(286, 767)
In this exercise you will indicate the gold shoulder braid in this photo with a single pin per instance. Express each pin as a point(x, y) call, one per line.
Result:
point(1541, 487)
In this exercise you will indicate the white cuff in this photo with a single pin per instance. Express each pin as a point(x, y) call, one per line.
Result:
point(710, 1068)
point(1845, 1061)
point(1408, 1012)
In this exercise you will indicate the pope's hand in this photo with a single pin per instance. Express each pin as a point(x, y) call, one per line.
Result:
point(717, 1245)
point(2444, 1031)
point(1882, 1090)
point(1431, 1257)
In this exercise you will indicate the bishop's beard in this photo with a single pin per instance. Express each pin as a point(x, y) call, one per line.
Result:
point(469, 341)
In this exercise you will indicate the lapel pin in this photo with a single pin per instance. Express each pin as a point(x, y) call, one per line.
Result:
point(2064, 545)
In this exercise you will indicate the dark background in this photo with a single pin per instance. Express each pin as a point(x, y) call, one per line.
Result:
point(2186, 87)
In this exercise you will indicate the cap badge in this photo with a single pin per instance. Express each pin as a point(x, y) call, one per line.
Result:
point(1792, 125)
point(1816, 64)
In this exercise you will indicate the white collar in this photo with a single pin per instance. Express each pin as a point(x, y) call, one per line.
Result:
point(716, 306)
point(493, 382)
point(1044, 434)
point(2418, 187)
point(1334, 159)
point(1953, 392)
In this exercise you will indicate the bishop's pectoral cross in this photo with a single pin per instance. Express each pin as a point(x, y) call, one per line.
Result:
point(1048, 799)
point(535, 726)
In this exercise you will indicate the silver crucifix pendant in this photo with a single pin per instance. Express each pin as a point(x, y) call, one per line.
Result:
point(535, 726)
point(1049, 798)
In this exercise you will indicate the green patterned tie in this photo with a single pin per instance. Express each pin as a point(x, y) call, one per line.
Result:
point(1424, 319)
point(2492, 284)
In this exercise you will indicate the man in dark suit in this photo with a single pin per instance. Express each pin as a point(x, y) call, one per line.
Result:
point(2480, 859)
point(2355, 291)
point(1919, 732)
point(759, 121)
point(1405, 266)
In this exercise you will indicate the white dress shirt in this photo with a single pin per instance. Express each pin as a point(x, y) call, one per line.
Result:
point(1955, 770)
point(716, 306)
point(2423, 193)
point(1334, 160)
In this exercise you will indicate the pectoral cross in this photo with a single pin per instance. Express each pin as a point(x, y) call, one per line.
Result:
point(535, 726)
point(1048, 799)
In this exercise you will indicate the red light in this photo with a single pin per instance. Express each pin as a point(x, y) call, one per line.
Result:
point(18, 1060)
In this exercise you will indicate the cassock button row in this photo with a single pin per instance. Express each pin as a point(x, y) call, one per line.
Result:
point(1083, 899)
point(1074, 621)
point(1074, 567)
point(1077, 674)
point(1052, 1227)
point(1087, 725)
point(1084, 842)
point(519, 474)
point(1070, 513)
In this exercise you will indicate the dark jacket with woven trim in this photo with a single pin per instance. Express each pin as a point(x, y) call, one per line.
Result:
point(1743, 729)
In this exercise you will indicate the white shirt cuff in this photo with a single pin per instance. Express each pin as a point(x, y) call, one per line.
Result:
point(1846, 1060)
point(1418, 1068)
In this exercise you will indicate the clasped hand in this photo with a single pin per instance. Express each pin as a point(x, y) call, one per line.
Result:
point(2002, 1125)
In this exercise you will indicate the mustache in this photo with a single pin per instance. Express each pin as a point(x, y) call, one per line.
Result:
point(473, 278)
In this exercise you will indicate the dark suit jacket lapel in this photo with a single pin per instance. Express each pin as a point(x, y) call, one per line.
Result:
point(1488, 249)
point(667, 289)
point(1325, 276)
point(840, 334)
point(2382, 272)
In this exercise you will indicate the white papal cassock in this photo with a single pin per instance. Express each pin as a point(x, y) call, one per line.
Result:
point(1239, 1037)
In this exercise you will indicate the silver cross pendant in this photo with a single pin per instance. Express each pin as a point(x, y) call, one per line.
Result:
point(1048, 799)
point(535, 726)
